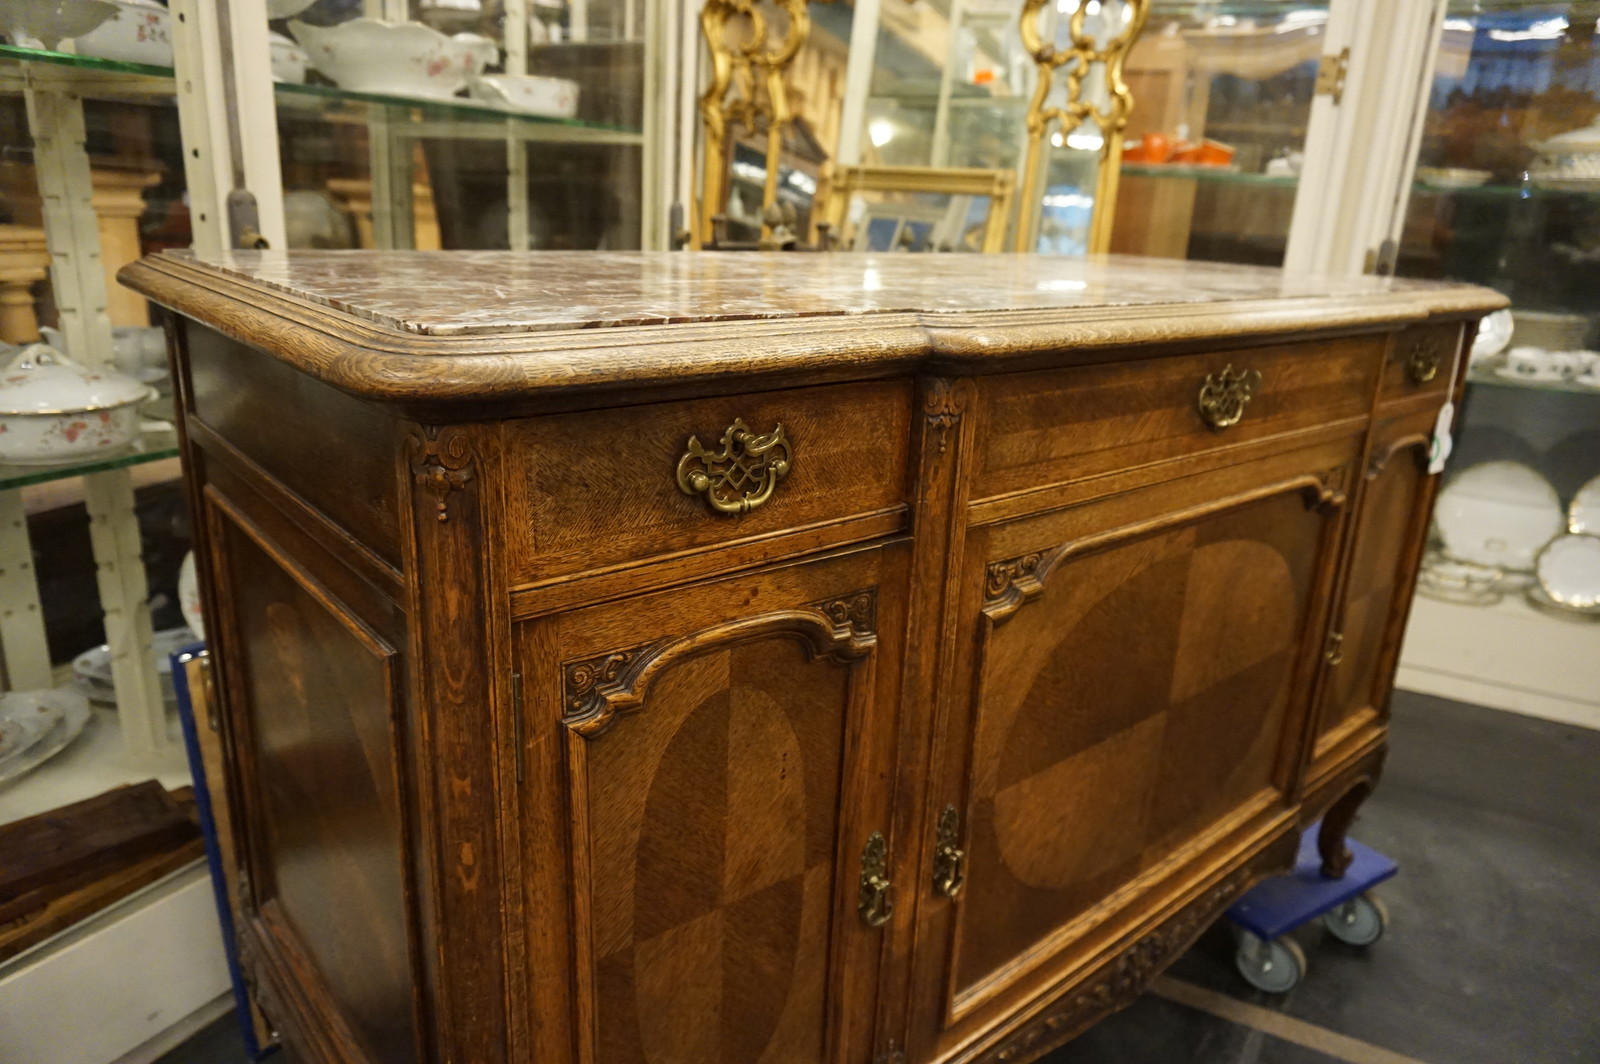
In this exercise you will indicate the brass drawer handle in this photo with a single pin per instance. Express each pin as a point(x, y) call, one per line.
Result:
point(1334, 653)
point(875, 903)
point(1224, 393)
point(1422, 360)
point(741, 476)
point(949, 860)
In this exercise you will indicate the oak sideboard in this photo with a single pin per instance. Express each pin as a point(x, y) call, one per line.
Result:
point(696, 658)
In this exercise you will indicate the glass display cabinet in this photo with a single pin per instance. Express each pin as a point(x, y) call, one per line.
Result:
point(1508, 196)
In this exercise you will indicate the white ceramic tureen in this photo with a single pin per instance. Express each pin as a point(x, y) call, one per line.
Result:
point(139, 31)
point(54, 410)
point(395, 58)
point(1571, 160)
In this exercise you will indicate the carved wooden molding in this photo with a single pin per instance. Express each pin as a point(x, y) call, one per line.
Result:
point(1118, 983)
point(943, 408)
point(1012, 583)
point(597, 689)
point(441, 464)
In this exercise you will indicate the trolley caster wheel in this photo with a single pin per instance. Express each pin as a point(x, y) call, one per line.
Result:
point(1358, 922)
point(1274, 966)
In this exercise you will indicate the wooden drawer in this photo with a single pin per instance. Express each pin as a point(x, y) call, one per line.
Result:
point(1054, 426)
point(1421, 362)
point(599, 489)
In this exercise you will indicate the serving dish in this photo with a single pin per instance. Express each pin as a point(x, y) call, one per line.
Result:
point(529, 94)
point(1452, 176)
point(47, 23)
point(91, 670)
point(54, 410)
point(1498, 514)
point(1570, 160)
point(139, 31)
point(62, 712)
point(1583, 512)
point(395, 58)
point(1569, 570)
point(1454, 581)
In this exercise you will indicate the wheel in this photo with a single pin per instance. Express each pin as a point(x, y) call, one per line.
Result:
point(1274, 966)
point(1358, 922)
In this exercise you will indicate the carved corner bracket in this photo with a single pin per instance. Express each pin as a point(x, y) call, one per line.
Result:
point(597, 689)
point(1010, 584)
point(441, 464)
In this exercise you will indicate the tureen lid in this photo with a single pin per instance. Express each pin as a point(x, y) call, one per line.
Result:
point(41, 380)
point(1585, 139)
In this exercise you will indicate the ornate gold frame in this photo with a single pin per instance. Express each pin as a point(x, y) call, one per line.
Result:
point(746, 86)
point(1079, 60)
point(845, 181)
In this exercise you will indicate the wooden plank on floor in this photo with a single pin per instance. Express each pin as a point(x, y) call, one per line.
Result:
point(1332, 1043)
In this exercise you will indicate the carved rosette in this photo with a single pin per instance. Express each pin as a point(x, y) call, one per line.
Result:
point(942, 408)
point(441, 464)
point(1118, 983)
point(597, 689)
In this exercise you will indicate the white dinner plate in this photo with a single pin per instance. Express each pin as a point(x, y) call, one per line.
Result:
point(92, 668)
point(1500, 514)
point(189, 596)
point(1569, 570)
point(63, 714)
point(1583, 513)
point(1494, 335)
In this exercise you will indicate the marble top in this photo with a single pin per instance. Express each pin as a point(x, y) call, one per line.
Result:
point(455, 293)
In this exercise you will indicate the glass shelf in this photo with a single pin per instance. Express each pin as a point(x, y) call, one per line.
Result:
point(1223, 175)
point(152, 446)
point(1488, 378)
point(460, 116)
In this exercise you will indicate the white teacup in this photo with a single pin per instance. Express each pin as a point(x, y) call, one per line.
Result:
point(1534, 363)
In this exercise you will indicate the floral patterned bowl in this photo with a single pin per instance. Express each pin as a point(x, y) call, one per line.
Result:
point(139, 31)
point(54, 410)
point(395, 58)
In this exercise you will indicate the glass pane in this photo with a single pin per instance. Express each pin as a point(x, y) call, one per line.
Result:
point(1507, 194)
point(1222, 98)
point(537, 146)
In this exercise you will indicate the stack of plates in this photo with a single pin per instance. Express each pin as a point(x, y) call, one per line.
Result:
point(91, 670)
point(37, 725)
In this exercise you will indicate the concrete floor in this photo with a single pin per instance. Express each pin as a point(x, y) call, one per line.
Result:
point(1493, 949)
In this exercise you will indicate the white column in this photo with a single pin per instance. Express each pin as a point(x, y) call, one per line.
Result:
point(858, 80)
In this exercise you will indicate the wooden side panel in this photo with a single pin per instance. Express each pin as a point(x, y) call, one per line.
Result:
point(728, 750)
point(332, 451)
point(597, 489)
point(315, 696)
point(1054, 426)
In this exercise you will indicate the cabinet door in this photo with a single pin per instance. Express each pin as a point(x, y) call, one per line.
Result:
point(1389, 530)
point(722, 755)
point(1139, 685)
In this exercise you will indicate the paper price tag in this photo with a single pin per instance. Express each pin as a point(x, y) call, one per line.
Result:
point(1442, 441)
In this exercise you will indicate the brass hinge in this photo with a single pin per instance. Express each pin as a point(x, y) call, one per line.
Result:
point(1331, 73)
point(516, 723)
point(949, 860)
point(874, 902)
point(1335, 649)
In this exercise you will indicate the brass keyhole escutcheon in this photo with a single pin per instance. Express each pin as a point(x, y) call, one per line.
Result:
point(875, 903)
point(949, 860)
point(742, 475)
point(1422, 361)
point(1224, 394)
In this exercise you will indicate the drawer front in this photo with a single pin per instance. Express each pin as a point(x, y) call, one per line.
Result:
point(1421, 362)
point(594, 490)
point(1054, 426)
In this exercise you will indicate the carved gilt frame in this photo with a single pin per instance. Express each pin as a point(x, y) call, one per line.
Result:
point(845, 181)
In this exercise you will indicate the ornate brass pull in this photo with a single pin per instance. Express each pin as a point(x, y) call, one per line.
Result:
point(1422, 360)
point(1223, 395)
point(875, 903)
point(949, 860)
point(1335, 649)
point(741, 476)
